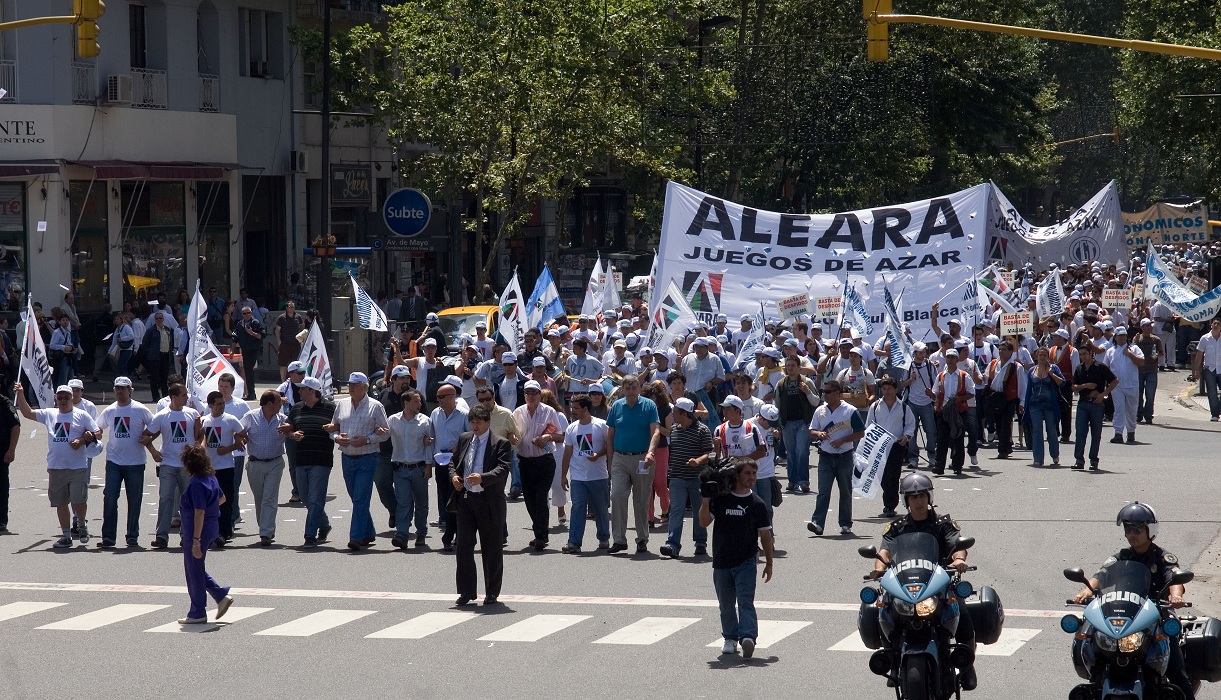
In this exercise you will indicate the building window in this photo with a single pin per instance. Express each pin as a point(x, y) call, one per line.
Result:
point(90, 252)
point(137, 36)
point(154, 240)
point(12, 244)
point(261, 44)
point(212, 205)
point(595, 219)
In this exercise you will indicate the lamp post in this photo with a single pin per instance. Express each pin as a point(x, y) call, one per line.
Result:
point(324, 269)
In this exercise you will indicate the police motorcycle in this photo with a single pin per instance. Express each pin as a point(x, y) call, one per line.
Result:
point(1121, 642)
point(911, 617)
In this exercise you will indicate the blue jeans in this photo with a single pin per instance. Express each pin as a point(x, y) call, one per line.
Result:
point(834, 469)
point(926, 419)
point(312, 482)
point(1089, 421)
point(1146, 390)
point(358, 474)
point(593, 494)
point(682, 492)
point(172, 481)
point(1043, 428)
point(735, 595)
point(796, 435)
point(239, 468)
point(411, 499)
point(763, 489)
point(131, 478)
point(514, 472)
point(1210, 388)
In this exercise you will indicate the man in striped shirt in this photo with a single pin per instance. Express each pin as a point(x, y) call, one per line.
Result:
point(690, 450)
point(539, 426)
point(359, 424)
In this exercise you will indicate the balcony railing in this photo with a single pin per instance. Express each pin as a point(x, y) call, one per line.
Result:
point(8, 80)
point(84, 84)
point(148, 89)
point(209, 93)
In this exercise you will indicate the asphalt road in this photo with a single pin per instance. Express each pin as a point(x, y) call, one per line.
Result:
point(328, 623)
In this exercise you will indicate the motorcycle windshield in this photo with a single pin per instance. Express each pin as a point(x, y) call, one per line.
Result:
point(914, 562)
point(1123, 592)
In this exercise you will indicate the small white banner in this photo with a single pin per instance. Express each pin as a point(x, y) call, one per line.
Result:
point(1018, 323)
point(794, 306)
point(1117, 298)
point(869, 461)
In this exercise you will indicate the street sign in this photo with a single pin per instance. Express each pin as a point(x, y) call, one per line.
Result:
point(406, 212)
point(400, 243)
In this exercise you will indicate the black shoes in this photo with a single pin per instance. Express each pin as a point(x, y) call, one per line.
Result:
point(701, 551)
point(398, 541)
point(354, 545)
point(814, 527)
point(491, 600)
point(642, 548)
point(463, 600)
point(264, 541)
point(668, 551)
point(968, 679)
point(617, 547)
point(160, 543)
point(1117, 440)
point(514, 493)
point(323, 533)
point(311, 542)
point(420, 541)
point(1079, 465)
point(1131, 439)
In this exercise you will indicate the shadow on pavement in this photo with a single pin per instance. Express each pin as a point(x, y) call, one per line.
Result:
point(725, 662)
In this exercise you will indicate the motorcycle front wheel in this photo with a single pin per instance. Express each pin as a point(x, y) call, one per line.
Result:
point(913, 678)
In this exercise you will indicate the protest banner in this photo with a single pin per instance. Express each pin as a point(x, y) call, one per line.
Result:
point(1021, 322)
point(794, 306)
point(1116, 298)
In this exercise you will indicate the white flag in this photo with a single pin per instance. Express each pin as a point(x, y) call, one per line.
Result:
point(754, 340)
point(39, 376)
point(1049, 295)
point(370, 315)
point(205, 363)
point(672, 317)
point(869, 461)
point(513, 315)
point(854, 313)
point(611, 298)
point(594, 291)
point(901, 347)
point(317, 362)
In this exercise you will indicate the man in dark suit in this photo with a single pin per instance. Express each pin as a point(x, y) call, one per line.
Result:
point(157, 352)
point(478, 472)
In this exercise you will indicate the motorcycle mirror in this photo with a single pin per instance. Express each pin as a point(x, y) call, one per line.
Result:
point(1181, 577)
point(964, 543)
point(868, 552)
point(1076, 575)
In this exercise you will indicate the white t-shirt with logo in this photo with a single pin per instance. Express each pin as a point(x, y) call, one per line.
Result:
point(124, 425)
point(741, 440)
point(218, 432)
point(236, 408)
point(585, 441)
point(177, 429)
point(767, 463)
point(62, 429)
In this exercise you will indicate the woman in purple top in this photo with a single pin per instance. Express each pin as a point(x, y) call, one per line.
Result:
point(201, 502)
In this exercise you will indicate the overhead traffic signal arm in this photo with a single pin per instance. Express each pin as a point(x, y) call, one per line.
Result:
point(85, 14)
point(878, 14)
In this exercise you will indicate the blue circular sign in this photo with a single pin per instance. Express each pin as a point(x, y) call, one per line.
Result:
point(406, 212)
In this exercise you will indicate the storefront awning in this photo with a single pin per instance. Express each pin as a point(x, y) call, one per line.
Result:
point(140, 170)
point(28, 168)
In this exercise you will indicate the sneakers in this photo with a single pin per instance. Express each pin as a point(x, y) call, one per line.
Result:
point(63, 542)
point(570, 548)
point(845, 530)
point(814, 527)
point(974, 460)
point(730, 647)
point(668, 551)
point(1117, 440)
point(748, 648)
point(805, 488)
point(222, 606)
point(83, 533)
point(311, 542)
point(192, 620)
point(1079, 465)
point(701, 551)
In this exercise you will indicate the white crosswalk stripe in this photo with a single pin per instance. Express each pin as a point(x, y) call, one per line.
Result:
point(771, 631)
point(103, 617)
point(422, 626)
point(850, 643)
point(1010, 642)
point(312, 624)
point(12, 610)
point(235, 614)
point(534, 628)
point(648, 630)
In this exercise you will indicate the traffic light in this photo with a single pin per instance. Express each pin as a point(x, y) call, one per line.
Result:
point(877, 32)
point(87, 13)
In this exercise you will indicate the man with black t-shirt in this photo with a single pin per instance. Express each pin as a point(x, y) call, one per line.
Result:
point(741, 528)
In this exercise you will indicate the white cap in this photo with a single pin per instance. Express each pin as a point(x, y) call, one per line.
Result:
point(508, 358)
point(732, 400)
point(855, 351)
point(63, 389)
point(443, 458)
point(1092, 306)
point(122, 381)
point(538, 362)
point(430, 342)
point(455, 381)
point(722, 318)
point(312, 383)
point(746, 317)
point(1121, 330)
point(597, 388)
point(358, 378)
point(532, 385)
point(553, 333)
point(431, 318)
point(686, 404)
point(76, 384)
point(950, 352)
point(1146, 322)
point(296, 366)
point(481, 324)
point(919, 347)
point(1061, 333)
point(400, 371)
point(770, 412)
point(620, 343)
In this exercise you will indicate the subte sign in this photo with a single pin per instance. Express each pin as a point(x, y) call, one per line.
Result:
point(406, 212)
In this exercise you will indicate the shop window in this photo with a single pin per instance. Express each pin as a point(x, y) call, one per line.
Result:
point(154, 240)
point(13, 244)
point(596, 220)
point(90, 250)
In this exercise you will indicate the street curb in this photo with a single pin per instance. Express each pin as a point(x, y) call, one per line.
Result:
point(1183, 398)
point(1205, 588)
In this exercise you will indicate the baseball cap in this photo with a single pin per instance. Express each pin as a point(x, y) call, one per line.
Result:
point(732, 401)
point(597, 388)
point(1121, 330)
point(296, 366)
point(63, 389)
point(76, 384)
point(431, 318)
point(646, 350)
point(358, 378)
point(532, 385)
point(620, 343)
point(481, 324)
point(1092, 306)
point(722, 318)
point(687, 405)
point(312, 383)
point(919, 347)
point(553, 333)
point(430, 342)
point(1061, 333)
point(538, 362)
point(770, 412)
point(956, 322)
point(610, 313)
point(951, 352)
point(855, 351)
point(455, 381)
point(1146, 322)
point(400, 371)
point(845, 341)
point(772, 353)
point(745, 317)
point(122, 381)
point(792, 343)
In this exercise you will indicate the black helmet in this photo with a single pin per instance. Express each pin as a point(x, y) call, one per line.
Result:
point(916, 483)
point(1140, 514)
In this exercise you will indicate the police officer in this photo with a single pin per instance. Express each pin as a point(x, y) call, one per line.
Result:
point(1139, 523)
point(917, 491)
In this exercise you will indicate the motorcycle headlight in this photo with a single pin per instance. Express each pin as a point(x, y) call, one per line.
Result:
point(903, 607)
point(926, 607)
point(1131, 642)
point(1104, 642)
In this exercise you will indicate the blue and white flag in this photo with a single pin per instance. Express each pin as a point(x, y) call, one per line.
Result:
point(900, 345)
point(1161, 284)
point(854, 312)
point(544, 303)
point(753, 342)
point(1049, 295)
point(369, 314)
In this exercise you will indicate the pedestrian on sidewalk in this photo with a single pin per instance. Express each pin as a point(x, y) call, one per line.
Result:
point(1206, 365)
point(200, 504)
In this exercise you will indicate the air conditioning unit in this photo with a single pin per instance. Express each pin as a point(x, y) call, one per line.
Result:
point(118, 89)
point(258, 69)
point(298, 161)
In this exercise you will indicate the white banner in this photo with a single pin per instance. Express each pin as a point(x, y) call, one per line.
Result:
point(754, 340)
point(869, 461)
point(900, 346)
point(1094, 233)
point(205, 363)
point(513, 315)
point(726, 257)
point(671, 319)
point(316, 360)
point(1163, 224)
point(1165, 287)
point(610, 283)
point(38, 371)
point(1049, 299)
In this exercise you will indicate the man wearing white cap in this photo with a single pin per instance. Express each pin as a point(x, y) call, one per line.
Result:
point(540, 429)
point(482, 342)
point(125, 461)
point(1124, 359)
point(1163, 319)
point(359, 424)
point(1066, 357)
point(632, 427)
point(429, 371)
point(1151, 346)
point(690, 450)
point(704, 371)
point(306, 424)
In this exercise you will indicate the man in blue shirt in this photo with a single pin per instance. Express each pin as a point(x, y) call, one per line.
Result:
point(631, 426)
point(448, 423)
